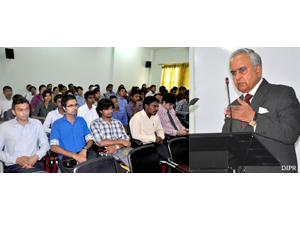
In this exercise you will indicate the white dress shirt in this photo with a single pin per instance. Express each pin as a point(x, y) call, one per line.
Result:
point(18, 140)
point(89, 115)
point(50, 119)
point(252, 92)
point(254, 89)
point(150, 93)
point(144, 128)
point(28, 96)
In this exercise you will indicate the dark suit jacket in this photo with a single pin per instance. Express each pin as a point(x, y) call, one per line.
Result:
point(8, 115)
point(279, 129)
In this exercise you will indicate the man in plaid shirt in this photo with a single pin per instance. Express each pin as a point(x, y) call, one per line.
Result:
point(110, 133)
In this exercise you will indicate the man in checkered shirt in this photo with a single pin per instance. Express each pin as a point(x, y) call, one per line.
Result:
point(110, 133)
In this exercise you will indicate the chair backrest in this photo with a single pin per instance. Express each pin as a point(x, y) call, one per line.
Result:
point(1, 167)
point(134, 142)
point(179, 150)
point(144, 159)
point(105, 164)
point(184, 120)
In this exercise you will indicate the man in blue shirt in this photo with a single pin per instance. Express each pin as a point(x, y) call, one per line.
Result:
point(122, 101)
point(117, 113)
point(79, 97)
point(70, 136)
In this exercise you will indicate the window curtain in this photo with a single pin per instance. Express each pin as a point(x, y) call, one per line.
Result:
point(175, 75)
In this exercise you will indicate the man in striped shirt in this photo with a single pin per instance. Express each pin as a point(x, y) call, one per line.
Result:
point(169, 121)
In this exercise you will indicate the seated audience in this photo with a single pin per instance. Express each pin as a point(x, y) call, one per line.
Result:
point(70, 136)
point(32, 94)
point(79, 96)
point(23, 141)
point(88, 110)
point(109, 91)
point(158, 96)
point(152, 91)
point(97, 96)
point(181, 93)
point(9, 114)
point(110, 133)
point(44, 107)
point(91, 88)
point(64, 90)
point(28, 95)
point(121, 116)
point(163, 90)
point(55, 92)
point(170, 123)
point(49, 87)
point(6, 103)
point(38, 98)
point(54, 115)
point(146, 126)
point(182, 107)
point(122, 101)
point(174, 90)
point(135, 105)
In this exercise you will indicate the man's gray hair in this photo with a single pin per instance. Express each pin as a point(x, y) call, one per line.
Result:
point(254, 57)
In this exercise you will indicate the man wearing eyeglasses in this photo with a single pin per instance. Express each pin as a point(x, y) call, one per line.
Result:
point(70, 136)
point(271, 111)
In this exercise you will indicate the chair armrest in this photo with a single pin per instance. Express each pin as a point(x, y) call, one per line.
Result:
point(1, 167)
point(136, 143)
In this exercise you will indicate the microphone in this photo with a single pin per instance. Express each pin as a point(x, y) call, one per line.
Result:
point(193, 101)
point(229, 102)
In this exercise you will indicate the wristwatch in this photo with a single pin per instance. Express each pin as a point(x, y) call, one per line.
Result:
point(253, 121)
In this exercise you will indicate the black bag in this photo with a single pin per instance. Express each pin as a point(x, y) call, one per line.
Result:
point(49, 164)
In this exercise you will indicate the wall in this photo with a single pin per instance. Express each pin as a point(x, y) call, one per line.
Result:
point(80, 66)
point(209, 67)
point(129, 66)
point(86, 65)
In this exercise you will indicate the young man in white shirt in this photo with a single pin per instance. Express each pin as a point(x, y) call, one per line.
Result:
point(88, 110)
point(146, 127)
point(23, 141)
point(54, 115)
point(6, 103)
point(28, 95)
point(151, 91)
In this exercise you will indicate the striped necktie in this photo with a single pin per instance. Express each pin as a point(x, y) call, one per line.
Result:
point(247, 99)
point(172, 120)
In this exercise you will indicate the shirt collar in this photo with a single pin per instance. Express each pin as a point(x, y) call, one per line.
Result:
point(145, 114)
point(162, 108)
point(64, 118)
point(104, 121)
point(16, 123)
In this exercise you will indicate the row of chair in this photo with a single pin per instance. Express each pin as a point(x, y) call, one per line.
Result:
point(145, 159)
point(142, 159)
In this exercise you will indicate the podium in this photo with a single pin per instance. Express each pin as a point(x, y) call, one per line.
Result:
point(230, 152)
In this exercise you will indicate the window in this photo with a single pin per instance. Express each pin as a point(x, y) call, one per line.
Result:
point(175, 75)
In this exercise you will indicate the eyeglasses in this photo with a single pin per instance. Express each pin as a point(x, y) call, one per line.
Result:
point(73, 106)
point(242, 70)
